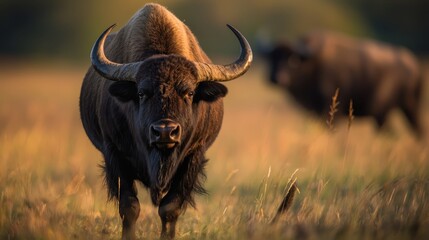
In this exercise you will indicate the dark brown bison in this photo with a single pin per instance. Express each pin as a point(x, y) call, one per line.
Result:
point(376, 77)
point(152, 105)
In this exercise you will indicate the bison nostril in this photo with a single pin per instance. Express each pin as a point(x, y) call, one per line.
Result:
point(155, 132)
point(175, 132)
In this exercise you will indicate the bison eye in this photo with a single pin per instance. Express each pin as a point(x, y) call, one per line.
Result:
point(141, 95)
point(190, 94)
point(145, 94)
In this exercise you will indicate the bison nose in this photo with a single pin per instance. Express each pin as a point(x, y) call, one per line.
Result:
point(165, 133)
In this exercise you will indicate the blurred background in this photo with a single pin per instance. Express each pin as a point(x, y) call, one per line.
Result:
point(51, 29)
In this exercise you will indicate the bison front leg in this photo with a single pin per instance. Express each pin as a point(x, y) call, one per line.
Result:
point(129, 208)
point(171, 207)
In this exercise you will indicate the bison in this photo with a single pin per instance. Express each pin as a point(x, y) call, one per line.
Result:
point(152, 105)
point(376, 77)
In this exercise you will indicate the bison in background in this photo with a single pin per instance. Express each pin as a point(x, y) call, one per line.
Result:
point(152, 105)
point(376, 77)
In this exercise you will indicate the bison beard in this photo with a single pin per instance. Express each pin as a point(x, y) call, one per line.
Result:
point(168, 171)
point(152, 104)
point(162, 167)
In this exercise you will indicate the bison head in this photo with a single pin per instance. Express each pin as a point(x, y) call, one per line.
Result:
point(165, 91)
point(285, 61)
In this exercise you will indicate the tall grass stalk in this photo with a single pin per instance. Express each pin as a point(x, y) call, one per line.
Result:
point(349, 126)
point(333, 108)
point(289, 196)
point(262, 196)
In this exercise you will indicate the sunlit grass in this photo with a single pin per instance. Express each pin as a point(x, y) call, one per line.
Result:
point(354, 183)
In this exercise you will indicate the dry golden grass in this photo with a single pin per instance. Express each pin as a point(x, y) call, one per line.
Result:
point(354, 183)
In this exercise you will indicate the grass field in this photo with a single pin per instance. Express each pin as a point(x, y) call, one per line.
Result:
point(354, 183)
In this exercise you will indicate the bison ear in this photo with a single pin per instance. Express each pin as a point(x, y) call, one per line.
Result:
point(124, 91)
point(209, 91)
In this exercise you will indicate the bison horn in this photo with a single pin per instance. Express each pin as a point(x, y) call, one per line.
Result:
point(220, 73)
point(206, 71)
point(108, 69)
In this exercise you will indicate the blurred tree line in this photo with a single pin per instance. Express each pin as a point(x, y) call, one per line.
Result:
point(401, 22)
point(67, 29)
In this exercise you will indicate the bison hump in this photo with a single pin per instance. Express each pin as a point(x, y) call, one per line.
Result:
point(155, 30)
